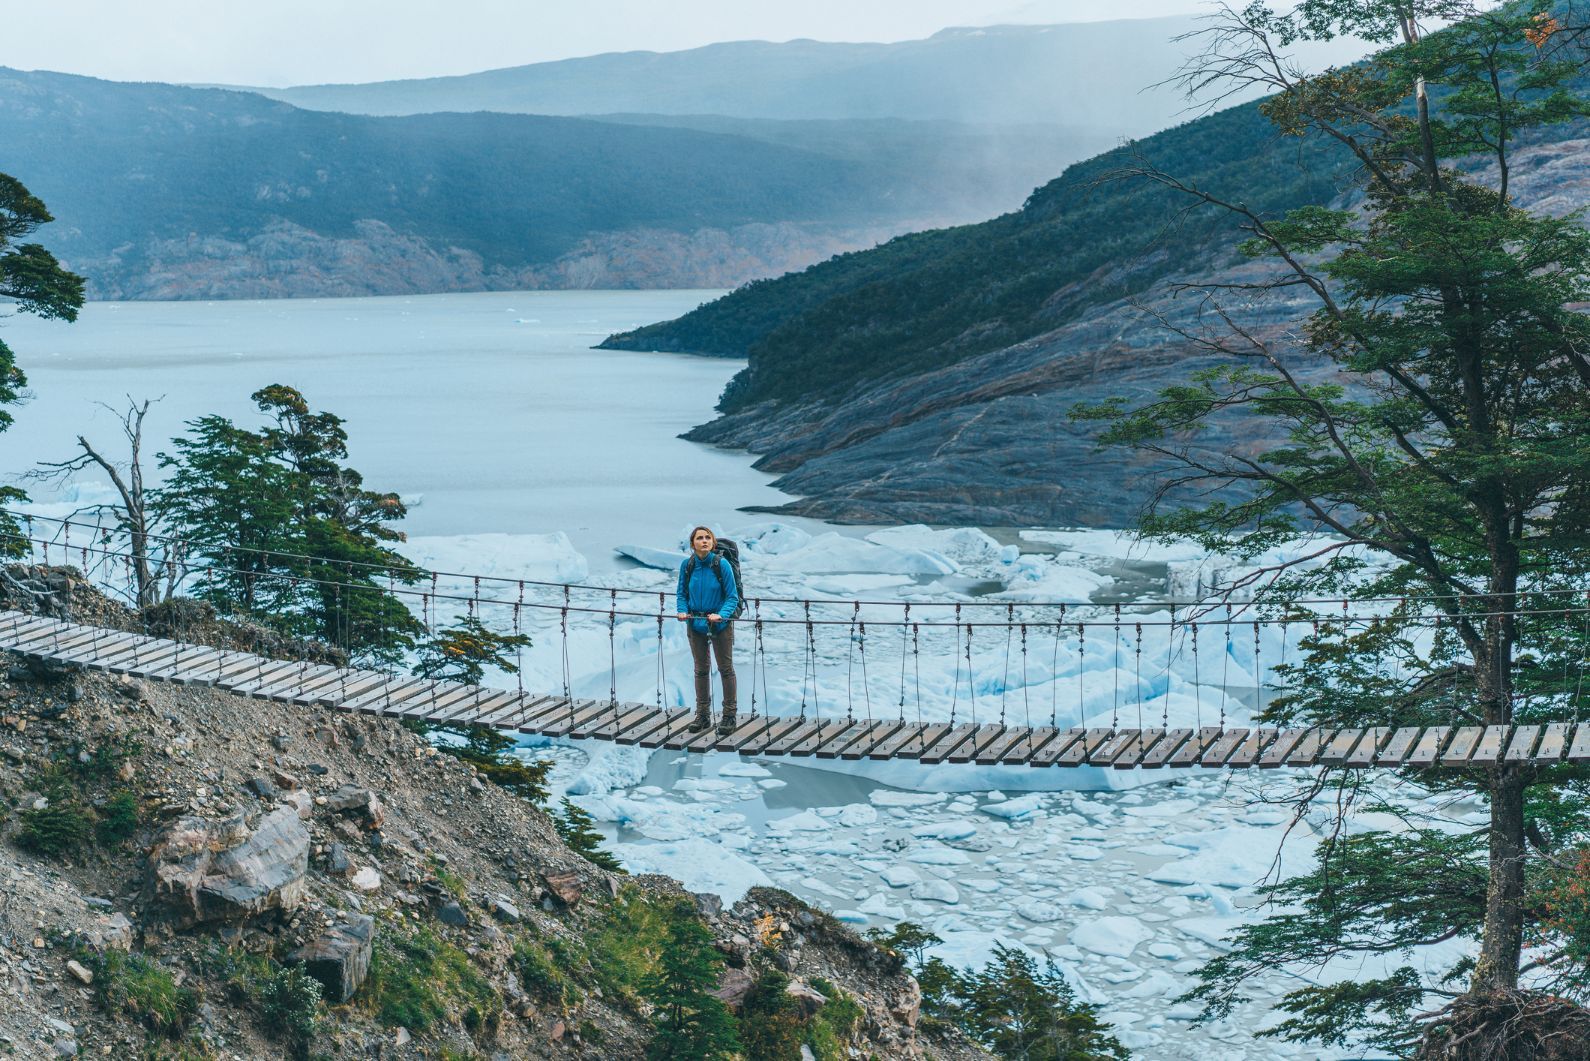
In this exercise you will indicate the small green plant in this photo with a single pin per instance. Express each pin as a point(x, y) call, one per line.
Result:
point(770, 1023)
point(835, 1024)
point(625, 947)
point(55, 829)
point(242, 972)
point(578, 830)
point(134, 985)
point(541, 976)
point(289, 1002)
point(418, 980)
point(118, 819)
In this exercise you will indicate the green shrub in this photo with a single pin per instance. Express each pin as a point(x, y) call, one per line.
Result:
point(289, 1002)
point(419, 980)
point(133, 985)
point(118, 819)
point(835, 1024)
point(55, 829)
point(770, 1023)
point(625, 947)
point(541, 975)
point(579, 832)
point(241, 971)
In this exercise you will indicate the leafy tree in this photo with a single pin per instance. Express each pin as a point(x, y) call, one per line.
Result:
point(691, 1024)
point(1431, 414)
point(34, 282)
point(1019, 1011)
point(290, 535)
point(578, 830)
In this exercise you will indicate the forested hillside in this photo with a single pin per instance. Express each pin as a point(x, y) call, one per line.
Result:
point(211, 189)
point(930, 299)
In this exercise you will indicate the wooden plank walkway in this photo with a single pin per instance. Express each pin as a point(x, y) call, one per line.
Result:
point(401, 696)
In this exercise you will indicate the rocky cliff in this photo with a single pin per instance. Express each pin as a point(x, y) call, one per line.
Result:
point(174, 861)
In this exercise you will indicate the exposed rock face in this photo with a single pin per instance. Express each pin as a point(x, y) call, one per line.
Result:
point(340, 956)
point(221, 871)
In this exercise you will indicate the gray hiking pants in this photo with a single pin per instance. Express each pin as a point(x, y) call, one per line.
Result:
point(721, 647)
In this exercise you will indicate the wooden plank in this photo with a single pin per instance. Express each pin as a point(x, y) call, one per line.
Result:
point(926, 737)
point(703, 741)
point(1194, 747)
point(1275, 754)
point(292, 685)
point(682, 736)
point(440, 699)
point(408, 697)
point(485, 703)
point(1248, 751)
point(940, 749)
point(1363, 753)
point(1429, 747)
point(1490, 749)
point(140, 661)
point(22, 633)
point(778, 728)
point(981, 738)
point(130, 652)
point(366, 681)
point(660, 719)
point(584, 711)
point(992, 751)
point(57, 645)
point(1049, 754)
point(792, 736)
point(1579, 750)
point(859, 732)
point(1035, 741)
point(587, 726)
point(269, 675)
point(676, 722)
point(1553, 742)
point(44, 634)
point(185, 668)
point(1306, 751)
point(1105, 754)
point(12, 620)
point(1154, 757)
point(1220, 750)
point(876, 735)
point(521, 707)
point(229, 662)
point(374, 701)
point(552, 719)
point(310, 685)
point(908, 735)
point(1079, 752)
point(1131, 756)
point(97, 653)
point(629, 715)
point(1462, 745)
point(1336, 750)
point(1398, 747)
point(17, 628)
point(1522, 744)
point(750, 733)
point(828, 731)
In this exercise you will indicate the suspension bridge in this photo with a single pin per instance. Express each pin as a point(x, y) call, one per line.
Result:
point(851, 727)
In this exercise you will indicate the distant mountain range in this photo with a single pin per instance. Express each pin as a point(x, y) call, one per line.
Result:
point(1089, 77)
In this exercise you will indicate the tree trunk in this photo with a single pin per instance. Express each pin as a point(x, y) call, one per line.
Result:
point(1502, 943)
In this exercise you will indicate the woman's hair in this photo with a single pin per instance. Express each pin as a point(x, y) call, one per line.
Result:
point(694, 530)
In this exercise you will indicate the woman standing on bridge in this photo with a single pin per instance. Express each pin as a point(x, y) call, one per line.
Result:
point(708, 599)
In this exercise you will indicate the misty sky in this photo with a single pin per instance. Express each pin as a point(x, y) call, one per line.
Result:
point(291, 42)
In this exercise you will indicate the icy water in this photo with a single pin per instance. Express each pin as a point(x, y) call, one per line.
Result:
point(488, 412)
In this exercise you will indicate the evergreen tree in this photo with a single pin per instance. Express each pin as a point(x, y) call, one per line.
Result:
point(462, 652)
point(34, 282)
point(691, 1024)
point(290, 535)
point(578, 830)
point(770, 1024)
point(1432, 412)
point(1026, 1014)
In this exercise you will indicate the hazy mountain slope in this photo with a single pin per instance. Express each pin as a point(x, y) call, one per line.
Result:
point(1087, 76)
point(178, 192)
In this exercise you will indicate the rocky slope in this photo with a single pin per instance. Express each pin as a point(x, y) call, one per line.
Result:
point(224, 841)
point(988, 440)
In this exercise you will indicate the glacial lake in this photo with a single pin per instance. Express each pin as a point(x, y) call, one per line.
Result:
point(487, 412)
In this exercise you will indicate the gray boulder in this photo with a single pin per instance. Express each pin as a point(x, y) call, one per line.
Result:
point(340, 956)
point(222, 871)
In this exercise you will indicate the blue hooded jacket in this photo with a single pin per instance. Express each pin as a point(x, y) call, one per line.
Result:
point(704, 595)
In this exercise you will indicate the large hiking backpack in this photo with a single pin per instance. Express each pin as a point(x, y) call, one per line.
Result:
point(725, 549)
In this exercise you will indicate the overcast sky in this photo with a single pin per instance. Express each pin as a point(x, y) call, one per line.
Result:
point(293, 42)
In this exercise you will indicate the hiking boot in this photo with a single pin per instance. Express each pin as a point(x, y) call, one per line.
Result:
point(702, 721)
point(727, 724)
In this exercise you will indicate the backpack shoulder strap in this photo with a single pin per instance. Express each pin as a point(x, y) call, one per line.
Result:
point(717, 569)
